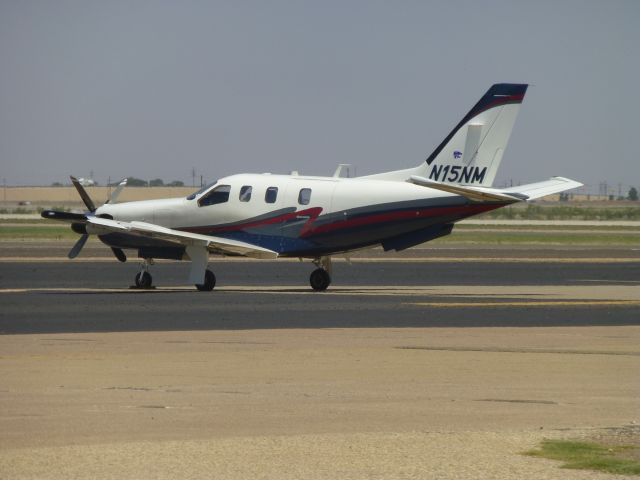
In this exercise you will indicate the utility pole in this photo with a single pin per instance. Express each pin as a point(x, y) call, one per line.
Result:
point(193, 176)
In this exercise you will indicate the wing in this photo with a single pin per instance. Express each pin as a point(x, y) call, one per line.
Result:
point(215, 244)
point(530, 191)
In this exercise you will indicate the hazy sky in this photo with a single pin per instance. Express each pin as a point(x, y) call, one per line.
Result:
point(155, 88)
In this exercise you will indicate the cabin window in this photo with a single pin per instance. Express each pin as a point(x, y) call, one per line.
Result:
point(245, 193)
point(271, 195)
point(219, 194)
point(304, 197)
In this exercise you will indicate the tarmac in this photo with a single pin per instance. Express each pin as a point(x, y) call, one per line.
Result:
point(46, 296)
point(441, 365)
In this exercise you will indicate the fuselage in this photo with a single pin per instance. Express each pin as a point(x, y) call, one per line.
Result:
point(301, 215)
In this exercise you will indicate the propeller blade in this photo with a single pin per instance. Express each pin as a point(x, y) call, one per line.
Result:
point(83, 194)
point(64, 216)
point(113, 198)
point(119, 254)
point(73, 253)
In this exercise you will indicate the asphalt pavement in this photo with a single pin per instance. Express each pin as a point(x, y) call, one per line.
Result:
point(60, 297)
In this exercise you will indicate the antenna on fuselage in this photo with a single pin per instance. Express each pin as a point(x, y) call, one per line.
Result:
point(342, 168)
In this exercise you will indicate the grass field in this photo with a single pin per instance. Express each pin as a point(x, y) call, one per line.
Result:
point(545, 234)
point(612, 211)
point(589, 456)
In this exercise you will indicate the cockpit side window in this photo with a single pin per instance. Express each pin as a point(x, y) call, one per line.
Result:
point(245, 193)
point(220, 194)
point(271, 195)
point(203, 189)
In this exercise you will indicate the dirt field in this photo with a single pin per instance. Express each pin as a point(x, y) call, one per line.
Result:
point(68, 196)
point(331, 403)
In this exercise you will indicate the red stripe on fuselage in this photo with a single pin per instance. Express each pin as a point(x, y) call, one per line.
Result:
point(363, 220)
point(431, 212)
point(312, 213)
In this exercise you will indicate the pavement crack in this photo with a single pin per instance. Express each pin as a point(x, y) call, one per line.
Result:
point(509, 400)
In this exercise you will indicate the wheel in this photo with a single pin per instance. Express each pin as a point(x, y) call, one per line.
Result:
point(320, 279)
point(209, 282)
point(143, 280)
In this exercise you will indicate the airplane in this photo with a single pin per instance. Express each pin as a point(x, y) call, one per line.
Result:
point(312, 217)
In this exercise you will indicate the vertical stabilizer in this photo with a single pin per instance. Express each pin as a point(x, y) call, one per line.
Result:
point(472, 152)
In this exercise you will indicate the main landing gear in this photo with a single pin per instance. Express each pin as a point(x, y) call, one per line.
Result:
point(320, 278)
point(143, 278)
point(209, 282)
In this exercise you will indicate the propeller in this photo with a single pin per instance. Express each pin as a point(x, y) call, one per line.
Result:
point(80, 227)
point(83, 194)
point(119, 254)
point(116, 193)
point(73, 253)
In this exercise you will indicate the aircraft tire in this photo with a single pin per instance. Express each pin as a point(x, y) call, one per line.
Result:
point(320, 280)
point(143, 280)
point(209, 282)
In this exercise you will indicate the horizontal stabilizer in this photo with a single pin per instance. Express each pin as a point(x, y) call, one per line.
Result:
point(542, 189)
point(530, 191)
point(143, 229)
point(476, 194)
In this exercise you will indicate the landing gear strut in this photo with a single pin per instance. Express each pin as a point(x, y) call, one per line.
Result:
point(320, 278)
point(209, 282)
point(143, 278)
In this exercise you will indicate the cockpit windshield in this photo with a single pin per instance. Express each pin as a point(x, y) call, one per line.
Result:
point(202, 190)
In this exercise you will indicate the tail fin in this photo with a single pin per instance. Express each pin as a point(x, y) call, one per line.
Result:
point(471, 153)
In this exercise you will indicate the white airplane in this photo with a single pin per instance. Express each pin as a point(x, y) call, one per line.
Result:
point(270, 216)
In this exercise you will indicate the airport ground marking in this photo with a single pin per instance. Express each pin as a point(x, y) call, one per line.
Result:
point(432, 296)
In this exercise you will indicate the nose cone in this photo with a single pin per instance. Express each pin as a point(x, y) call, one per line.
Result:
point(158, 211)
point(105, 211)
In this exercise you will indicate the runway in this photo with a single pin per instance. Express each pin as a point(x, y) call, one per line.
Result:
point(65, 297)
